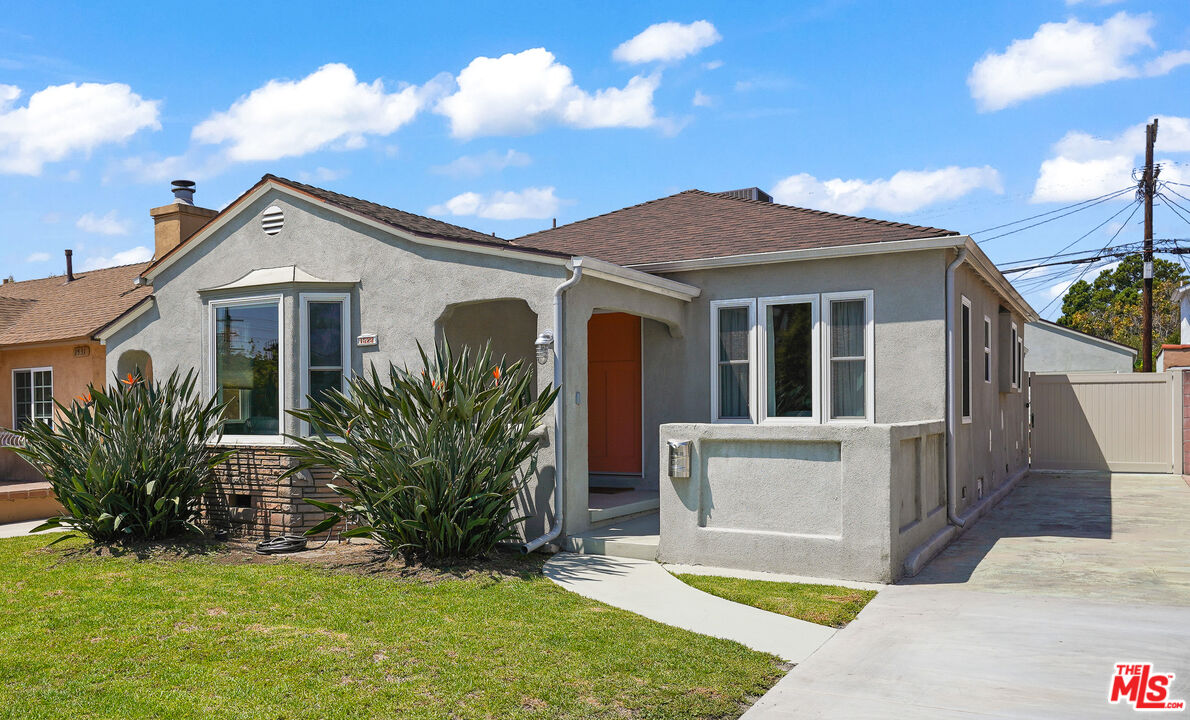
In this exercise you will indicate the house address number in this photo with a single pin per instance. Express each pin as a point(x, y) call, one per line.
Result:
point(366, 340)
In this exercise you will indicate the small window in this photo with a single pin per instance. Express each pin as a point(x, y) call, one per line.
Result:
point(790, 372)
point(987, 349)
point(1020, 361)
point(325, 344)
point(246, 349)
point(32, 397)
point(849, 340)
point(731, 328)
point(1016, 359)
point(965, 354)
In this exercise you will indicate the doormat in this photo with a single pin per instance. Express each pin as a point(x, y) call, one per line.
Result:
point(608, 490)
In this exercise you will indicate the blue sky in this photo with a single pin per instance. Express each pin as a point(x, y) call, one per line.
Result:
point(958, 115)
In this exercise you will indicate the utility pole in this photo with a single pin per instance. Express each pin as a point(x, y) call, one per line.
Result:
point(1147, 186)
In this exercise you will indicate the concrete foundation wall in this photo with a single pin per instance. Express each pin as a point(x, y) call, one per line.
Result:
point(841, 501)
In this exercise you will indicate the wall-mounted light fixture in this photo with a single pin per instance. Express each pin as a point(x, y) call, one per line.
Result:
point(544, 343)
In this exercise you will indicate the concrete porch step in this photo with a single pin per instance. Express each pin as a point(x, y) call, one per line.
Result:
point(637, 538)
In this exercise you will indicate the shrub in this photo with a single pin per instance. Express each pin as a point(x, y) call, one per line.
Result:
point(129, 462)
point(432, 458)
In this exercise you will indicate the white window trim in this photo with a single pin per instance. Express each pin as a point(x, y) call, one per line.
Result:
point(1020, 361)
point(970, 398)
point(1015, 367)
point(869, 353)
point(988, 341)
point(717, 305)
point(304, 300)
point(762, 363)
point(33, 402)
point(212, 384)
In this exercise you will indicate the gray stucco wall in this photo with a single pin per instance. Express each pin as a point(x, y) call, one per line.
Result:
point(992, 447)
point(399, 289)
point(1056, 349)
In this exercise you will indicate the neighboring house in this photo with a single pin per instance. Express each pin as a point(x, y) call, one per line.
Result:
point(1051, 347)
point(1178, 356)
point(802, 355)
point(48, 344)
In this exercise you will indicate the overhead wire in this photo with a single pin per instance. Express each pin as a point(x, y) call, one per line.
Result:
point(1071, 209)
point(1087, 268)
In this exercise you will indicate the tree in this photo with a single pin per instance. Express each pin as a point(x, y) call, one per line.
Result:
point(1110, 307)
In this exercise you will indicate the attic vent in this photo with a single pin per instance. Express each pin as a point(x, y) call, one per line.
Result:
point(272, 220)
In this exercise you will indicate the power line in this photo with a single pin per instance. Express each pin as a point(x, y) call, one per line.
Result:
point(1085, 203)
point(1088, 267)
point(1080, 238)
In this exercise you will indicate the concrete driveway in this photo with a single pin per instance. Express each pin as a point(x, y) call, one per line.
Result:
point(1023, 617)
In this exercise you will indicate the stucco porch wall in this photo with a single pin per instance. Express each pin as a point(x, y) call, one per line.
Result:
point(818, 500)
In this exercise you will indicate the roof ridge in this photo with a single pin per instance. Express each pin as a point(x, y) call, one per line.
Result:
point(609, 212)
point(295, 183)
point(80, 274)
point(825, 213)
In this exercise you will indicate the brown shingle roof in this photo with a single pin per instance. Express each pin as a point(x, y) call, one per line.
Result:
point(696, 224)
point(50, 309)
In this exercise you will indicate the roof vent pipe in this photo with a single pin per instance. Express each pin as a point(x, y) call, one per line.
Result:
point(183, 191)
point(69, 265)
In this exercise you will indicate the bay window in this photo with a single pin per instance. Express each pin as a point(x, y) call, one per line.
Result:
point(768, 357)
point(246, 340)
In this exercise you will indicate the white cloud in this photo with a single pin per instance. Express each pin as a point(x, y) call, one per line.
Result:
point(667, 41)
point(1167, 62)
point(906, 191)
point(519, 93)
point(1083, 166)
point(37, 257)
point(701, 99)
point(322, 174)
point(65, 119)
point(109, 224)
point(138, 254)
point(327, 108)
point(538, 202)
point(476, 165)
point(1067, 54)
point(712, 65)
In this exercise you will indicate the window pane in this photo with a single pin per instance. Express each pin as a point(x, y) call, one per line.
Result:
point(847, 388)
point(325, 334)
point(246, 364)
point(790, 362)
point(733, 333)
point(847, 328)
point(323, 380)
point(966, 354)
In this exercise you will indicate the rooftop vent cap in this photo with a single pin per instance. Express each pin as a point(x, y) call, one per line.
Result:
point(752, 193)
point(272, 220)
point(183, 191)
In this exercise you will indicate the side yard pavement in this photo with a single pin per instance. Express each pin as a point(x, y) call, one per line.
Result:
point(1023, 617)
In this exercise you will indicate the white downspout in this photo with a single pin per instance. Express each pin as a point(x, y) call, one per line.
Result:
point(559, 415)
point(951, 450)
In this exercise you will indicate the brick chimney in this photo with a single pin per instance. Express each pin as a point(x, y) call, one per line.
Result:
point(174, 224)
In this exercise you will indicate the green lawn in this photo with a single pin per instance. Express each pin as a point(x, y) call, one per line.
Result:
point(83, 636)
point(823, 604)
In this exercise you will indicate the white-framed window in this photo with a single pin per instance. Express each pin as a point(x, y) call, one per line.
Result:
point(733, 382)
point(987, 349)
point(247, 365)
point(1014, 378)
point(789, 368)
point(965, 359)
point(792, 359)
point(850, 337)
point(1020, 362)
point(325, 343)
point(32, 396)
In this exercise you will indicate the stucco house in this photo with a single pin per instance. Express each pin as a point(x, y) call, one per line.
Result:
point(763, 386)
point(1054, 348)
point(49, 351)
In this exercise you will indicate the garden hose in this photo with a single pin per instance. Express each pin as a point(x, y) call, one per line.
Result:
point(281, 544)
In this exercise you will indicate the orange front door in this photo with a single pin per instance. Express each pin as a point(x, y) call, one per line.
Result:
point(613, 391)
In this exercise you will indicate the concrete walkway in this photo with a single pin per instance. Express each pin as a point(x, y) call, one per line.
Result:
point(20, 529)
point(1024, 616)
point(645, 588)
